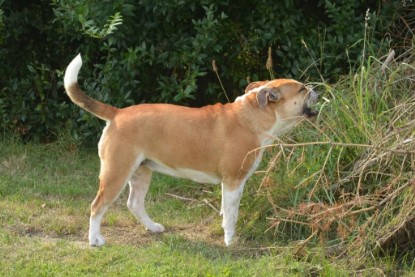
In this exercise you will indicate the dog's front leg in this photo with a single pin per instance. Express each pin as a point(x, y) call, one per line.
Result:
point(229, 210)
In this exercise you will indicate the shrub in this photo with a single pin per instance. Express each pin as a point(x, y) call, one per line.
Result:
point(152, 51)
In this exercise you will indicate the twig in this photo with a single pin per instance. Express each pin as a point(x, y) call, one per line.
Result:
point(210, 205)
point(393, 194)
point(268, 65)
point(304, 242)
point(267, 248)
point(361, 210)
point(205, 201)
point(270, 167)
point(277, 221)
point(215, 69)
point(331, 143)
point(371, 269)
point(390, 57)
point(181, 197)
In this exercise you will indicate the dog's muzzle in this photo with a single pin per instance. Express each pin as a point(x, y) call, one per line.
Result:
point(311, 100)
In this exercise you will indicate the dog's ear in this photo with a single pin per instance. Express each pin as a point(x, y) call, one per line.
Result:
point(266, 95)
point(253, 85)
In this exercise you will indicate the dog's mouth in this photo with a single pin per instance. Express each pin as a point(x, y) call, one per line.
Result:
point(309, 113)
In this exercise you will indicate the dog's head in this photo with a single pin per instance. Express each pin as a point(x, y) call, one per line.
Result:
point(288, 98)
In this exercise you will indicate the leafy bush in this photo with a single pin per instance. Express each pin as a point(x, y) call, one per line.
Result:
point(152, 51)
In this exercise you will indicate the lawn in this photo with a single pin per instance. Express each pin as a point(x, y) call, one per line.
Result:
point(45, 195)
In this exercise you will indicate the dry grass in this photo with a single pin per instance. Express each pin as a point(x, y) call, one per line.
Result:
point(13, 164)
point(357, 165)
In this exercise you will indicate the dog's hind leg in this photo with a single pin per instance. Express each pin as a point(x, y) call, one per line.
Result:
point(229, 211)
point(116, 170)
point(139, 184)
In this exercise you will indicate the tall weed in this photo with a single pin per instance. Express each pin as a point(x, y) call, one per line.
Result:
point(347, 179)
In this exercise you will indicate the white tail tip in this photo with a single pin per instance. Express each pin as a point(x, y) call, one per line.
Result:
point(71, 73)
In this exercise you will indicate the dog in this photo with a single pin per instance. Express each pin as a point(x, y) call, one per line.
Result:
point(216, 144)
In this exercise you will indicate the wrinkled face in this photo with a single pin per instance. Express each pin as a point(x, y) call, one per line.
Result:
point(291, 100)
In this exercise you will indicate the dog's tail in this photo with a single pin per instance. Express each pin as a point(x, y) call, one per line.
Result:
point(100, 110)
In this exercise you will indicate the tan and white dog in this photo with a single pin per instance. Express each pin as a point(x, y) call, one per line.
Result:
point(213, 144)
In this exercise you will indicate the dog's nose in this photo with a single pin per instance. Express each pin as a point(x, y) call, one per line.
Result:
point(312, 97)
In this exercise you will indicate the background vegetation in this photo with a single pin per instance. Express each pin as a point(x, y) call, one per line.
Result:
point(162, 51)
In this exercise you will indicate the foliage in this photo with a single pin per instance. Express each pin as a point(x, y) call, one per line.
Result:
point(162, 51)
point(92, 30)
point(1, 22)
point(347, 181)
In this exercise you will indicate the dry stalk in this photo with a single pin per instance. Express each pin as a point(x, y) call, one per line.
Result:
point(215, 69)
point(271, 165)
point(310, 195)
point(372, 203)
point(388, 60)
point(268, 64)
point(320, 217)
point(341, 144)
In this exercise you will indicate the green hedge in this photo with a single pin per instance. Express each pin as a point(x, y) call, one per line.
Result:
point(162, 51)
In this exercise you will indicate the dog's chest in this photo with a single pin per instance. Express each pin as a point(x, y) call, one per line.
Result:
point(187, 173)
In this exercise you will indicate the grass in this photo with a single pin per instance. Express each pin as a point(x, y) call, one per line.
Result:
point(46, 191)
point(171, 257)
point(347, 181)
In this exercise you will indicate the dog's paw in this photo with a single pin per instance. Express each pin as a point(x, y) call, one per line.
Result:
point(156, 228)
point(229, 238)
point(97, 241)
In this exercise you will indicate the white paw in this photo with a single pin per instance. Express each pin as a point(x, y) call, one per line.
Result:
point(229, 238)
point(96, 240)
point(156, 228)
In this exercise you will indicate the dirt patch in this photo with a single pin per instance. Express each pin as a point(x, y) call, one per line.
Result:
point(129, 234)
point(137, 235)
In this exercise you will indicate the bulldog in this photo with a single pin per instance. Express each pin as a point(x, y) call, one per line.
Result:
point(216, 144)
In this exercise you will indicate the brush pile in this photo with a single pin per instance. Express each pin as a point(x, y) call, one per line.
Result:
point(353, 177)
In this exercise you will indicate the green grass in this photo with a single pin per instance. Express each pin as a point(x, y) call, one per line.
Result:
point(46, 191)
point(171, 256)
